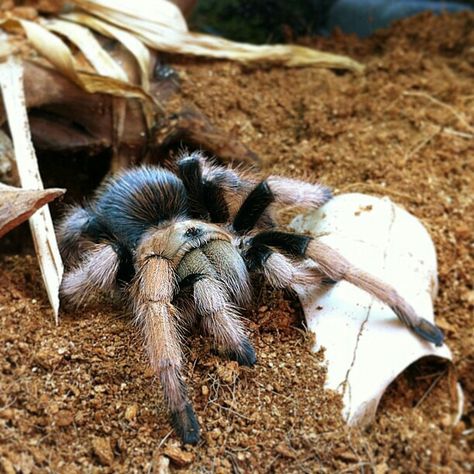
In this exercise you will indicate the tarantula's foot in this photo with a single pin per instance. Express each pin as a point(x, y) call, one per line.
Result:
point(429, 331)
point(328, 281)
point(186, 425)
point(245, 355)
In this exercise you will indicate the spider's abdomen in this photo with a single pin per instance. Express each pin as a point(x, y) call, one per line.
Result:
point(131, 203)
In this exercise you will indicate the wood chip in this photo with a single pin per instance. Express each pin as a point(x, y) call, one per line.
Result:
point(161, 465)
point(17, 205)
point(285, 451)
point(7, 466)
point(179, 457)
point(64, 418)
point(131, 412)
point(103, 450)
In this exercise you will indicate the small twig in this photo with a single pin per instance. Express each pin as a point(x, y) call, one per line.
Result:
point(430, 388)
point(430, 376)
point(232, 411)
point(457, 133)
point(421, 145)
point(162, 442)
point(468, 432)
point(455, 112)
point(235, 466)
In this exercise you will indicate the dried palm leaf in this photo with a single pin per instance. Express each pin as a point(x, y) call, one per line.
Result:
point(143, 19)
point(138, 50)
point(82, 37)
point(60, 56)
point(149, 11)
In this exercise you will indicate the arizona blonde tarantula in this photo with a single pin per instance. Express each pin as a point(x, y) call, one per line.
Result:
point(181, 247)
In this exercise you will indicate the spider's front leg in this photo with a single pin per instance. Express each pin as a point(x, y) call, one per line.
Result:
point(219, 317)
point(264, 248)
point(152, 291)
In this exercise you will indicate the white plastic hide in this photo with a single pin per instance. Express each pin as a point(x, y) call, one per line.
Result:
point(366, 346)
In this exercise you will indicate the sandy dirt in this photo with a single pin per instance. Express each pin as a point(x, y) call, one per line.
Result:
point(80, 397)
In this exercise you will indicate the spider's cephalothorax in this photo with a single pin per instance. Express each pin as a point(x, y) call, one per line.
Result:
point(180, 247)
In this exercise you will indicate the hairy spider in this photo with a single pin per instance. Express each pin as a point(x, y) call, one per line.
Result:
point(181, 246)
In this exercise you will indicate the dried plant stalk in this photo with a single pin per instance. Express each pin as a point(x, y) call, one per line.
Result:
point(44, 238)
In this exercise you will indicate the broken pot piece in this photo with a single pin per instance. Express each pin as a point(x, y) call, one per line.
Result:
point(366, 346)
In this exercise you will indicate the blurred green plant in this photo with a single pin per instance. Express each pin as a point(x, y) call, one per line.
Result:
point(257, 21)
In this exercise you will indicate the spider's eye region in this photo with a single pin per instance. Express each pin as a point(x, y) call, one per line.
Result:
point(244, 244)
point(193, 232)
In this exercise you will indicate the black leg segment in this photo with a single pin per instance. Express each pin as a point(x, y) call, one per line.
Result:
point(253, 207)
point(292, 244)
point(245, 356)
point(191, 175)
point(256, 256)
point(215, 202)
point(186, 425)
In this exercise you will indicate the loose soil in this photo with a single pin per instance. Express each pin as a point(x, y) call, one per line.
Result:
point(80, 398)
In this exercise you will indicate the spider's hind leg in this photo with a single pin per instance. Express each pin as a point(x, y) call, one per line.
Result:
point(331, 264)
point(206, 199)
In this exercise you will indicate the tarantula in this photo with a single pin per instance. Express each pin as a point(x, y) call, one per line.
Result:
point(180, 247)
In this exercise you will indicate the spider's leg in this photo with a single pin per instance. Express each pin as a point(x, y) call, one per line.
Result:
point(190, 172)
point(220, 318)
point(97, 272)
point(293, 192)
point(206, 198)
point(279, 270)
point(224, 194)
point(152, 292)
point(333, 265)
point(71, 234)
point(253, 208)
point(222, 321)
point(275, 191)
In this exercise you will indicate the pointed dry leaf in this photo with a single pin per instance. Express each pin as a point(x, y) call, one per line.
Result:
point(131, 43)
point(17, 205)
point(44, 238)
